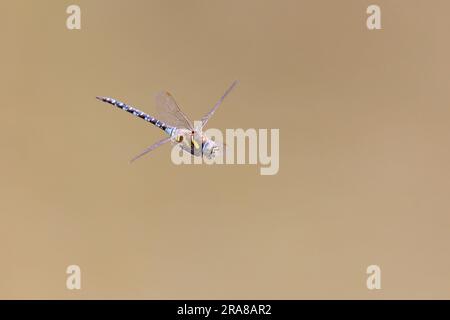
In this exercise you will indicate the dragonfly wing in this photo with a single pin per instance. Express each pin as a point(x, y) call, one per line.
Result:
point(207, 116)
point(152, 147)
point(170, 113)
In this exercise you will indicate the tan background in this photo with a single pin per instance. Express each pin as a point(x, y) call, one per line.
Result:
point(364, 165)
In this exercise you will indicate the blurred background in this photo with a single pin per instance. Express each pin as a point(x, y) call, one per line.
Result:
point(364, 172)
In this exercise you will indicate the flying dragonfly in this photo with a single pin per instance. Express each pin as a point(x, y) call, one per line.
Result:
point(174, 122)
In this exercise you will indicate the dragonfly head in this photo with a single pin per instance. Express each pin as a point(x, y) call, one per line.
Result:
point(210, 149)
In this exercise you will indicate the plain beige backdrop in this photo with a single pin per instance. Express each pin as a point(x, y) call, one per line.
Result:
point(364, 150)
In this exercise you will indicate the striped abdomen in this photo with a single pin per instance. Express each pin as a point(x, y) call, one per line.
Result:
point(137, 113)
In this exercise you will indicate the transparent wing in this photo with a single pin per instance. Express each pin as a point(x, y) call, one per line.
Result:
point(207, 116)
point(152, 147)
point(170, 113)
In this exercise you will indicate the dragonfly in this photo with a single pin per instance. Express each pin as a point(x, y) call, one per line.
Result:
point(180, 130)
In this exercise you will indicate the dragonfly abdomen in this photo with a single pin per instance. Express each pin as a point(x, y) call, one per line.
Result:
point(137, 113)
